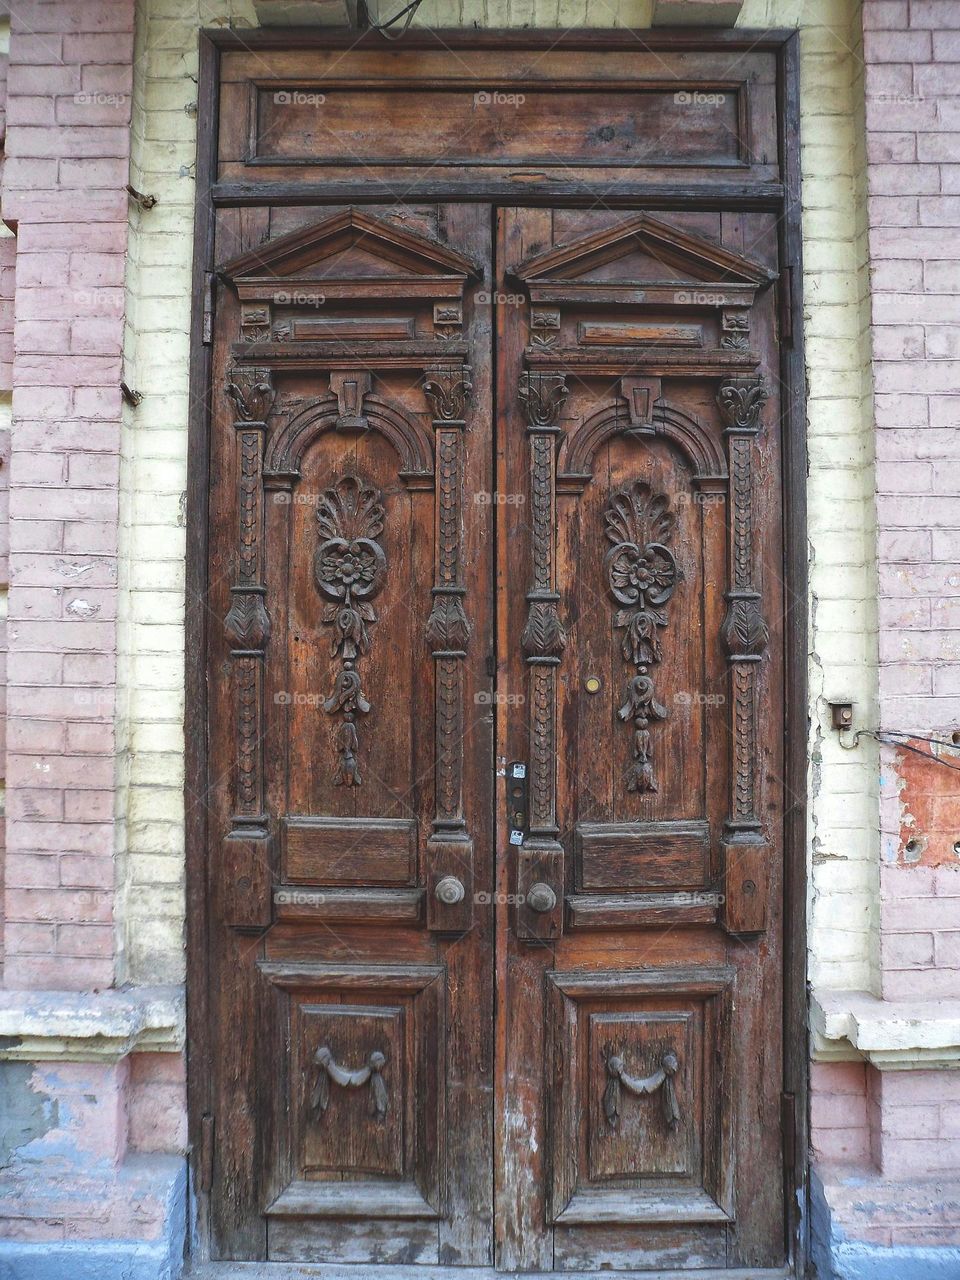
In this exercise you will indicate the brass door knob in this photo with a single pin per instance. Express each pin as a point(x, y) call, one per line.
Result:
point(449, 891)
point(541, 897)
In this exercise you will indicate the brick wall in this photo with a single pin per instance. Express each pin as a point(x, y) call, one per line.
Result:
point(912, 56)
point(67, 149)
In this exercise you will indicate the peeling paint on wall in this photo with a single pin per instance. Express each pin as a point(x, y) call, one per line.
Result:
point(25, 1113)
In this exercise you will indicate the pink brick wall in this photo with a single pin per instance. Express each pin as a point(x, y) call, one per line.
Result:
point(912, 55)
point(67, 154)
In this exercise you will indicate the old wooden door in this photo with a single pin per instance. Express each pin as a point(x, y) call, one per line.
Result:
point(494, 678)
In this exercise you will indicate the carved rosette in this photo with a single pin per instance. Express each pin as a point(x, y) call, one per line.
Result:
point(642, 575)
point(448, 629)
point(247, 623)
point(544, 639)
point(744, 632)
point(349, 567)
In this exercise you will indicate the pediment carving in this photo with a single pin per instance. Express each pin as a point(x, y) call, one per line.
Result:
point(346, 245)
point(635, 252)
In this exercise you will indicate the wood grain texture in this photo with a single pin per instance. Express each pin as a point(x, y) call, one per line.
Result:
point(641, 408)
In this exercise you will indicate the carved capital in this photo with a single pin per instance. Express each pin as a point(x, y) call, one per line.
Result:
point(543, 636)
point(448, 628)
point(744, 631)
point(447, 387)
point(252, 393)
point(542, 396)
point(247, 624)
point(740, 401)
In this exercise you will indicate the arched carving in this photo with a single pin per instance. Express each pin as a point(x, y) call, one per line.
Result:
point(414, 448)
point(699, 447)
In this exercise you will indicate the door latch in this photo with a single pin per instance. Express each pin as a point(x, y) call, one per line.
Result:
point(517, 801)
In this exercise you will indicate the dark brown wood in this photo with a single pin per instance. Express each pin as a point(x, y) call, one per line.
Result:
point(642, 940)
point(200, 1095)
point(792, 376)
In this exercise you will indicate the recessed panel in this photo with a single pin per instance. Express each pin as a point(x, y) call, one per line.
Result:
point(639, 1135)
point(350, 851)
point(324, 125)
point(350, 1089)
point(639, 1062)
point(645, 855)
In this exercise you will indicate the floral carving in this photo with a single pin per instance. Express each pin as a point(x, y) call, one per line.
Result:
point(740, 402)
point(447, 389)
point(252, 393)
point(349, 567)
point(544, 636)
point(448, 627)
point(542, 396)
point(642, 575)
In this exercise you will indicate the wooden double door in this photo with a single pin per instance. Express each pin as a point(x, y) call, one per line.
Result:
point(494, 970)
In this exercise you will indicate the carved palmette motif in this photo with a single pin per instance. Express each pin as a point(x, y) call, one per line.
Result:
point(349, 566)
point(642, 575)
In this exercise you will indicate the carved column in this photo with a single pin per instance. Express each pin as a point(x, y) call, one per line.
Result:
point(247, 628)
point(449, 848)
point(745, 636)
point(540, 857)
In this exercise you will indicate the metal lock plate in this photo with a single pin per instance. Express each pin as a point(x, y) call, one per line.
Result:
point(517, 801)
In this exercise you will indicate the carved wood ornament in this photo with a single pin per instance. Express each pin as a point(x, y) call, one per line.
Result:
point(447, 389)
point(618, 1078)
point(349, 567)
point(247, 623)
point(745, 636)
point(327, 1069)
point(544, 639)
point(641, 576)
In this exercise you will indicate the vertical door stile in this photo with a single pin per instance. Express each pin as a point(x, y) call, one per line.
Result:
point(745, 637)
point(247, 629)
point(450, 888)
point(540, 880)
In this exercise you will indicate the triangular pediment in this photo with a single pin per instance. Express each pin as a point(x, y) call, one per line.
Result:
point(349, 245)
point(642, 250)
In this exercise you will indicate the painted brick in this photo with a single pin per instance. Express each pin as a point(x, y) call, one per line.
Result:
point(67, 343)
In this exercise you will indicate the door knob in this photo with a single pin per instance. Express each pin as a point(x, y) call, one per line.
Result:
point(541, 897)
point(449, 891)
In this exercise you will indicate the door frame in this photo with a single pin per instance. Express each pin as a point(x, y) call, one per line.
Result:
point(782, 198)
